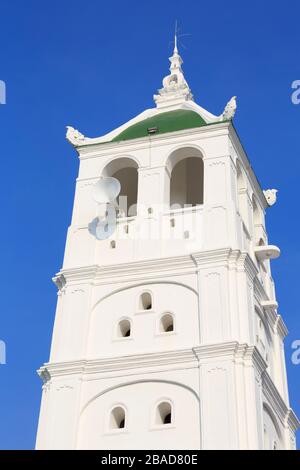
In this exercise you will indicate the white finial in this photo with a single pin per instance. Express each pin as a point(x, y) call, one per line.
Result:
point(175, 39)
point(230, 109)
point(175, 88)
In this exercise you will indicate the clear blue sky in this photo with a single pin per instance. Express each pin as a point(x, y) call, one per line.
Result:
point(94, 65)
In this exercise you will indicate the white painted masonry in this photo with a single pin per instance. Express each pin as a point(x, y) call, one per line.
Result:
point(219, 372)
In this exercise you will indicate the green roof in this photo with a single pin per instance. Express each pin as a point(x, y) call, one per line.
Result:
point(170, 121)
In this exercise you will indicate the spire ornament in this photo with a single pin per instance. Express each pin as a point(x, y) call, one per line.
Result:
point(175, 88)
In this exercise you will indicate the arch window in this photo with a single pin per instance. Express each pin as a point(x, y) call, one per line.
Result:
point(145, 301)
point(164, 413)
point(124, 329)
point(117, 418)
point(166, 324)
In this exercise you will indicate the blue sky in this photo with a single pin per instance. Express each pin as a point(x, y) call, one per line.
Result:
point(94, 65)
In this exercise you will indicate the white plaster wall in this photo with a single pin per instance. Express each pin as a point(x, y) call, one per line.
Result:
point(140, 401)
point(180, 301)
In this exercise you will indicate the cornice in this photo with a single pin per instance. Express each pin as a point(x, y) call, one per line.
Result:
point(44, 374)
point(281, 327)
point(220, 350)
point(159, 266)
point(270, 313)
point(162, 265)
point(85, 273)
point(211, 257)
point(284, 413)
point(258, 361)
point(231, 350)
point(292, 420)
point(259, 290)
point(113, 364)
point(94, 150)
point(250, 266)
point(60, 281)
point(135, 269)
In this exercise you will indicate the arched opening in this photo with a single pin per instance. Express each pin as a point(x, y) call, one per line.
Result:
point(145, 302)
point(256, 212)
point(187, 177)
point(117, 418)
point(126, 171)
point(242, 193)
point(261, 334)
point(166, 323)
point(264, 341)
point(272, 433)
point(257, 221)
point(163, 413)
point(124, 329)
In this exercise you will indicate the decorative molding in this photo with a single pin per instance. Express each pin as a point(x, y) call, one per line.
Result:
point(78, 291)
point(216, 369)
point(217, 162)
point(280, 327)
point(250, 267)
point(94, 149)
point(60, 281)
point(247, 355)
point(159, 267)
point(277, 404)
point(64, 388)
point(230, 109)
point(292, 421)
point(217, 351)
point(271, 196)
point(74, 136)
point(100, 366)
point(44, 374)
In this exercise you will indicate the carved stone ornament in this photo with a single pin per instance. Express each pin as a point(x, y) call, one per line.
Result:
point(74, 136)
point(271, 196)
point(230, 109)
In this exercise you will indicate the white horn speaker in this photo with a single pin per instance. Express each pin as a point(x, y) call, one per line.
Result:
point(106, 190)
point(105, 193)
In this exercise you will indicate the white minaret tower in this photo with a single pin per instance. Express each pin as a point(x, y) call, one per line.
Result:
point(167, 333)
